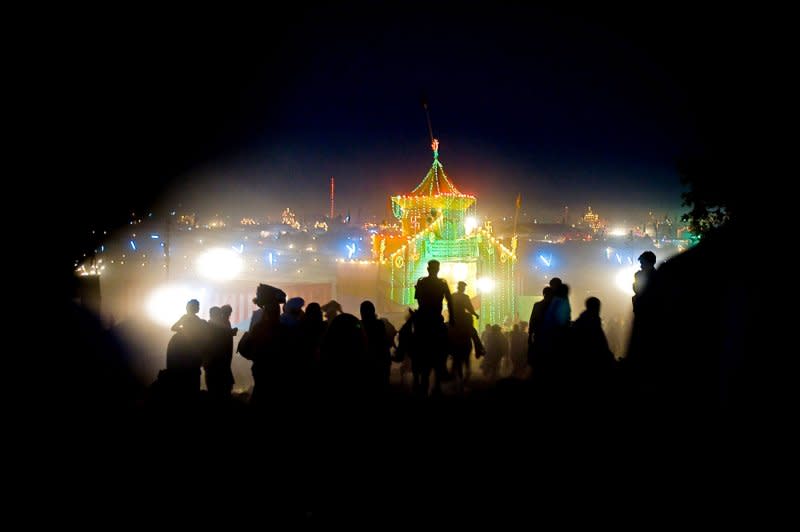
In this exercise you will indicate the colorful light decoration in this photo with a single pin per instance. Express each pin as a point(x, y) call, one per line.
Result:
point(439, 222)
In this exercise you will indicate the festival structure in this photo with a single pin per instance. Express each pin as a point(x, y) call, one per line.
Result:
point(439, 222)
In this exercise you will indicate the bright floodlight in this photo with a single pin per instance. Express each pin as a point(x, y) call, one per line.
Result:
point(485, 285)
point(470, 224)
point(460, 271)
point(168, 303)
point(219, 264)
point(618, 231)
point(624, 279)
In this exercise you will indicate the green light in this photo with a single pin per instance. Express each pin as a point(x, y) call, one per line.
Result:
point(432, 220)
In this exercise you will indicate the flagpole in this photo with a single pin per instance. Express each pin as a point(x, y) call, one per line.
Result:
point(428, 116)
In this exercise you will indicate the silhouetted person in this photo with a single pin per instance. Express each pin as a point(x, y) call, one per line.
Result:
point(190, 323)
point(647, 261)
point(291, 362)
point(256, 316)
point(265, 347)
point(552, 346)
point(293, 312)
point(462, 305)
point(496, 352)
point(379, 361)
point(485, 334)
point(391, 332)
point(181, 379)
point(519, 351)
point(462, 335)
point(536, 324)
point(227, 310)
point(429, 293)
point(404, 353)
point(615, 335)
point(429, 324)
point(312, 329)
point(185, 354)
point(343, 352)
point(218, 355)
point(331, 309)
point(592, 362)
point(559, 312)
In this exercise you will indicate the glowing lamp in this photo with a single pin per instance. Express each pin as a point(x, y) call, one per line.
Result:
point(219, 264)
point(485, 285)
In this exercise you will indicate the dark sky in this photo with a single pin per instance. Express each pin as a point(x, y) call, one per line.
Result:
point(561, 108)
point(257, 110)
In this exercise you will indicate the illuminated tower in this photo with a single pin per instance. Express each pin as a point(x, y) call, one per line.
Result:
point(440, 222)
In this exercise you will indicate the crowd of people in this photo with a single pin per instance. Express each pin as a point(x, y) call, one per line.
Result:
point(299, 351)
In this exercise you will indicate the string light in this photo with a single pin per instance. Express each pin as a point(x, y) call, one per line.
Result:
point(438, 222)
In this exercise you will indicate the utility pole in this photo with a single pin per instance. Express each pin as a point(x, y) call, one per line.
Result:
point(167, 242)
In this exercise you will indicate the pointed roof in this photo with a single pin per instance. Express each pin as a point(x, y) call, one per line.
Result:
point(435, 193)
point(435, 181)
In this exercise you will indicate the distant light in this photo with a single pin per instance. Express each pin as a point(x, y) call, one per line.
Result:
point(167, 303)
point(470, 224)
point(351, 250)
point(624, 279)
point(618, 231)
point(154, 237)
point(133, 245)
point(219, 264)
point(547, 261)
point(485, 285)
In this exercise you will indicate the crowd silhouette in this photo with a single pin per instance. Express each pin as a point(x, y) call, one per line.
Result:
point(307, 355)
point(323, 395)
point(319, 357)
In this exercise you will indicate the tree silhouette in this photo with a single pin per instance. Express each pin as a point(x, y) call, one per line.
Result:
point(712, 196)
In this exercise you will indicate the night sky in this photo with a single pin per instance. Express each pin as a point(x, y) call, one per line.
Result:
point(559, 108)
point(258, 110)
